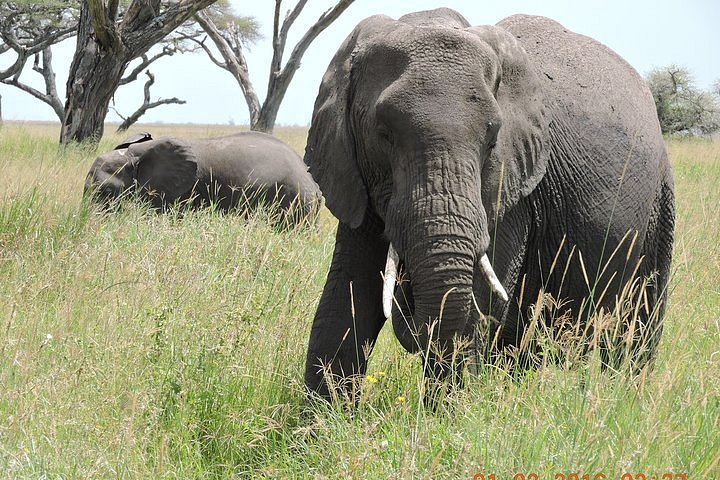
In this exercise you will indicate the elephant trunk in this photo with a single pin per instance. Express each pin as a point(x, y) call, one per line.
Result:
point(442, 287)
point(391, 270)
point(444, 227)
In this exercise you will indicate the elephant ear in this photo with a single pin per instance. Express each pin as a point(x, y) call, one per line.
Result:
point(519, 158)
point(330, 151)
point(168, 168)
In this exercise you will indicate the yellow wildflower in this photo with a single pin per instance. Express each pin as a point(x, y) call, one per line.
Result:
point(400, 399)
point(371, 379)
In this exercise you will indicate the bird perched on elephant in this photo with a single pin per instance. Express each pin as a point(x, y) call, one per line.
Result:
point(494, 165)
point(236, 171)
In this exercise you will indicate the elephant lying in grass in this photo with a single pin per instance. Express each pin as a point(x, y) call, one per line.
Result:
point(238, 171)
point(514, 171)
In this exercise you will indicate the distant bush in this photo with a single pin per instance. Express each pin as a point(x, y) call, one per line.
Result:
point(682, 107)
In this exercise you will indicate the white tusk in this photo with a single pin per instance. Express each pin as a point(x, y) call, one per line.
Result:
point(389, 279)
point(492, 278)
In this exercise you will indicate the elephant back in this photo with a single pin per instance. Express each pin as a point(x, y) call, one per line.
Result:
point(604, 135)
point(588, 85)
point(251, 168)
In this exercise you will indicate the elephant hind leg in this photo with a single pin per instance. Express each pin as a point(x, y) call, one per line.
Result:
point(659, 248)
point(646, 327)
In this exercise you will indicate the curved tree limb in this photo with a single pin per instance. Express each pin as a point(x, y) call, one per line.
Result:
point(235, 62)
point(28, 29)
point(201, 44)
point(50, 97)
point(280, 78)
point(168, 50)
point(146, 105)
point(16, 66)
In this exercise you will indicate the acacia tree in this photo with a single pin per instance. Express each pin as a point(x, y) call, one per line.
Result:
point(681, 106)
point(31, 30)
point(28, 29)
point(106, 43)
point(229, 40)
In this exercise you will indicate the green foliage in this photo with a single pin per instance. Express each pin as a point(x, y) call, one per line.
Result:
point(248, 29)
point(25, 21)
point(137, 345)
point(681, 106)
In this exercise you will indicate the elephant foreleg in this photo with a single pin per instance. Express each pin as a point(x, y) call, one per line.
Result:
point(349, 316)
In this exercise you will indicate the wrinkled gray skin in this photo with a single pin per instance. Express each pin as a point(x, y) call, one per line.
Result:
point(416, 123)
point(238, 170)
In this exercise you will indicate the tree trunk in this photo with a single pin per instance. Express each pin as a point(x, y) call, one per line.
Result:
point(106, 44)
point(269, 111)
point(88, 99)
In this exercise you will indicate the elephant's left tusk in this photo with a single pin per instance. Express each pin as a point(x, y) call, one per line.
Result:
point(389, 279)
point(492, 278)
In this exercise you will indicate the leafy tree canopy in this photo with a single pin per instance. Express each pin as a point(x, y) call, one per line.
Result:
point(681, 105)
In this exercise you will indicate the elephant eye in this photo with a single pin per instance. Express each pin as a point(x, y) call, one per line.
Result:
point(491, 134)
point(386, 136)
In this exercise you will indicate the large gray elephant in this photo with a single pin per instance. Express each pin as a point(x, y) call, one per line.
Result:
point(241, 170)
point(497, 162)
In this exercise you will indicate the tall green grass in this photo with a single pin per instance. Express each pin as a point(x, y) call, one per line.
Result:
point(137, 345)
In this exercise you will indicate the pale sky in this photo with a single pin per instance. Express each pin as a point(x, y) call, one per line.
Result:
point(646, 33)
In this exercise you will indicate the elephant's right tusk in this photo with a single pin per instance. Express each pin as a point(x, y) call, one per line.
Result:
point(492, 279)
point(389, 279)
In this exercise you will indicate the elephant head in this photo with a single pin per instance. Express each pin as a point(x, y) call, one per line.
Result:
point(437, 129)
point(163, 170)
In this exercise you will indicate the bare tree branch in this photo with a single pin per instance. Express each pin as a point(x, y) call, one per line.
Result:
point(146, 105)
point(50, 97)
point(235, 63)
point(290, 18)
point(275, 62)
point(322, 23)
point(280, 78)
point(168, 50)
point(28, 29)
point(16, 67)
point(229, 41)
point(201, 44)
point(112, 9)
point(280, 37)
point(139, 14)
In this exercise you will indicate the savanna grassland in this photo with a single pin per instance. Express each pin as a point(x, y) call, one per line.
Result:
point(136, 345)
